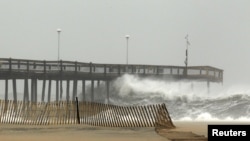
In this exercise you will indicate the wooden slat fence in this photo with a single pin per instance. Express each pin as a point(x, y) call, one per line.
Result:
point(96, 114)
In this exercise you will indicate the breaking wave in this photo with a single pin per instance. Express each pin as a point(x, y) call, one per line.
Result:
point(187, 101)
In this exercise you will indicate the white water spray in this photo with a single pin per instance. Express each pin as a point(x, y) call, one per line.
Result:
point(185, 99)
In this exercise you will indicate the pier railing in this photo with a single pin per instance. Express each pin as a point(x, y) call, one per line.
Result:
point(105, 71)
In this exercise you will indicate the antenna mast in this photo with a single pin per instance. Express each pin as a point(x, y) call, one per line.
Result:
point(187, 44)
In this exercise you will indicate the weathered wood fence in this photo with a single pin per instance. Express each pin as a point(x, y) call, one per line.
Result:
point(73, 112)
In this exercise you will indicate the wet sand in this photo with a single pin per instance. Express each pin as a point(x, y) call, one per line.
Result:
point(10, 132)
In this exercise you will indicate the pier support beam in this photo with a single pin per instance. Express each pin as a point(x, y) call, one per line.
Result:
point(98, 84)
point(26, 90)
point(43, 89)
point(61, 88)
point(92, 90)
point(74, 89)
point(49, 90)
point(107, 85)
point(6, 95)
point(83, 90)
point(6, 89)
point(57, 90)
point(34, 90)
point(67, 91)
point(14, 90)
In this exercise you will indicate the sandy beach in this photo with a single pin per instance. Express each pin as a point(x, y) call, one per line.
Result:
point(10, 132)
point(76, 132)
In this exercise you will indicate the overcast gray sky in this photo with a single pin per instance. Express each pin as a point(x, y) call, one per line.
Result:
point(94, 31)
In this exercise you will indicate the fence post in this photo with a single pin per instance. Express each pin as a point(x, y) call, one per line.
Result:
point(77, 111)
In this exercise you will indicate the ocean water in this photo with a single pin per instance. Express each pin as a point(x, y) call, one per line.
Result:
point(185, 100)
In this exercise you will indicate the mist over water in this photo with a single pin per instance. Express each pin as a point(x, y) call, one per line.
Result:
point(189, 101)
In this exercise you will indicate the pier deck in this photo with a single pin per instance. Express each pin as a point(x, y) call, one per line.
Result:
point(59, 71)
point(68, 70)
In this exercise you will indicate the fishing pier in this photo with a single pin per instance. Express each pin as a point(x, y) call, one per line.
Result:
point(32, 71)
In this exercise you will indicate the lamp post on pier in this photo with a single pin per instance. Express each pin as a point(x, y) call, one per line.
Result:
point(187, 44)
point(58, 59)
point(58, 52)
point(186, 60)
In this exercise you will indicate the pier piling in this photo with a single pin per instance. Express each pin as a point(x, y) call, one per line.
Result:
point(6, 89)
point(67, 90)
point(49, 90)
point(43, 89)
point(92, 90)
point(83, 91)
